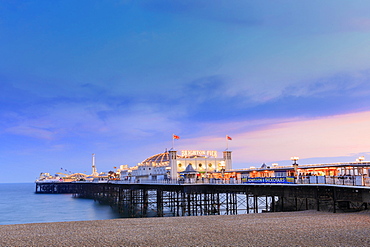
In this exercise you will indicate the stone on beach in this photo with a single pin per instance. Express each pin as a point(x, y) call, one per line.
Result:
point(304, 228)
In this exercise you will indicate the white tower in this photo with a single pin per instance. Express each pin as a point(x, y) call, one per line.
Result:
point(173, 164)
point(94, 171)
point(228, 161)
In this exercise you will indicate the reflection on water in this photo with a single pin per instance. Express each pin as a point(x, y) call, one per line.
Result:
point(19, 204)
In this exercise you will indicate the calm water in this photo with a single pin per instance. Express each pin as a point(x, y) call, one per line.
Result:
point(19, 204)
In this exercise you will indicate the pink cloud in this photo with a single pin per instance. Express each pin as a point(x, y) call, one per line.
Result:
point(276, 140)
point(359, 23)
point(334, 136)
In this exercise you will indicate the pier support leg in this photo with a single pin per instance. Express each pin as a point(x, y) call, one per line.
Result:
point(183, 204)
point(247, 203)
point(159, 203)
point(334, 200)
point(189, 204)
point(317, 200)
point(255, 204)
point(218, 204)
point(227, 203)
point(145, 203)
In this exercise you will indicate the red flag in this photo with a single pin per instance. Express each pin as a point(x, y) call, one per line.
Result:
point(229, 138)
point(175, 137)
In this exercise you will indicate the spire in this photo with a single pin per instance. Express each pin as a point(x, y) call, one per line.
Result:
point(94, 171)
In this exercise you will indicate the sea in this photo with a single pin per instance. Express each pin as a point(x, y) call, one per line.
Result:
point(19, 204)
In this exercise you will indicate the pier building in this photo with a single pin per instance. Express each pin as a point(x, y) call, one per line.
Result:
point(157, 186)
point(64, 176)
point(356, 173)
point(174, 165)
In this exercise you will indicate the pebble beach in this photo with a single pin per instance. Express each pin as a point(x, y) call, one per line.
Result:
point(304, 228)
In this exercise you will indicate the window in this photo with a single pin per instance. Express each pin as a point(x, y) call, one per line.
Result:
point(200, 165)
point(180, 165)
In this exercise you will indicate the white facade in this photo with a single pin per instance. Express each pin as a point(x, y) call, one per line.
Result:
point(169, 164)
point(206, 164)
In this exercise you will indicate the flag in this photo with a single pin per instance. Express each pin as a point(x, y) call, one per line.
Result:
point(229, 138)
point(175, 137)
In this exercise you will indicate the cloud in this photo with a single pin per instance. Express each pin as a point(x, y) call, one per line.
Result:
point(95, 108)
point(321, 139)
point(339, 135)
point(353, 84)
point(358, 24)
point(209, 100)
point(30, 131)
point(282, 17)
point(82, 119)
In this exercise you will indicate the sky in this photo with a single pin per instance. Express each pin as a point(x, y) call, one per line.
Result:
point(117, 78)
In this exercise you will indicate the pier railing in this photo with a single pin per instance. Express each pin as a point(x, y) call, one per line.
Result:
point(335, 180)
point(178, 181)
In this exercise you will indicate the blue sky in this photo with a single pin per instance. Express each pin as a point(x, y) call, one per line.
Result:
point(118, 78)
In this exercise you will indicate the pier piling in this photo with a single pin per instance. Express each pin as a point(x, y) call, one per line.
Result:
point(143, 200)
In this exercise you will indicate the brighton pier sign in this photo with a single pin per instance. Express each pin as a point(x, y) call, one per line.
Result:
point(188, 153)
point(268, 180)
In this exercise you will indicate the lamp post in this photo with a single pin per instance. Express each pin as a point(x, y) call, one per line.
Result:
point(360, 159)
point(222, 170)
point(295, 165)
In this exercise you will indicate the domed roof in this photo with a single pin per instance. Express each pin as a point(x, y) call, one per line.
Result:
point(158, 158)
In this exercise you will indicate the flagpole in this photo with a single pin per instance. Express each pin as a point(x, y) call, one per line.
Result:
point(228, 138)
point(227, 143)
point(173, 141)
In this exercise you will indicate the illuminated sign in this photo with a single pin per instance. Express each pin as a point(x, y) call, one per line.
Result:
point(276, 180)
point(187, 153)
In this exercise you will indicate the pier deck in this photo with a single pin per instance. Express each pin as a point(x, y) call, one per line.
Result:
point(166, 199)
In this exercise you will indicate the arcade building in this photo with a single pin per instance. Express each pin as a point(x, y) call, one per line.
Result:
point(192, 164)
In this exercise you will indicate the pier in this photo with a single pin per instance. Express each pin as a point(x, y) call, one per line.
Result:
point(173, 199)
point(212, 187)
